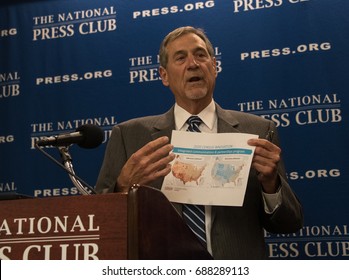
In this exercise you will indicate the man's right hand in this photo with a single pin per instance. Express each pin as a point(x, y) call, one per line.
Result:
point(146, 165)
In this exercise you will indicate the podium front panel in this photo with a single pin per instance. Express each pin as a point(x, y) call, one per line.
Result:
point(59, 228)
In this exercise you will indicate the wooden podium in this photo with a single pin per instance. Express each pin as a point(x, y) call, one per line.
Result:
point(140, 224)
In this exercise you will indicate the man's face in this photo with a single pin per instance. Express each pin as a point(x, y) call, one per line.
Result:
point(190, 72)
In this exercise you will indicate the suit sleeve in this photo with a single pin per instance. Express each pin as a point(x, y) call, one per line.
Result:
point(288, 217)
point(114, 160)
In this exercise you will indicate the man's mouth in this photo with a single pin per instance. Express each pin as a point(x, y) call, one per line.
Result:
point(194, 79)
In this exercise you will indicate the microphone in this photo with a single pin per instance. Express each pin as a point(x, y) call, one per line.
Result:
point(87, 136)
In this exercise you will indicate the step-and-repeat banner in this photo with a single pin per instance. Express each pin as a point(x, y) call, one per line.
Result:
point(68, 63)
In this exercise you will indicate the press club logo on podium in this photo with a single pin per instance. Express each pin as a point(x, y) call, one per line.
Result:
point(49, 237)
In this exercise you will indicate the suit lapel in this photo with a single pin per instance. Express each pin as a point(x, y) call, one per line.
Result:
point(227, 122)
point(164, 125)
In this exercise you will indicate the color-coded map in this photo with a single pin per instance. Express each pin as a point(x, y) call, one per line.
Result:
point(209, 168)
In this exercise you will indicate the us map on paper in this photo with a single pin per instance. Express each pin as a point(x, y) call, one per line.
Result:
point(209, 168)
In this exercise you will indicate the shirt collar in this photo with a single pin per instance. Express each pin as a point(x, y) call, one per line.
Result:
point(207, 115)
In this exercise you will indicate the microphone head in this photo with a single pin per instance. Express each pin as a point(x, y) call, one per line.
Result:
point(92, 136)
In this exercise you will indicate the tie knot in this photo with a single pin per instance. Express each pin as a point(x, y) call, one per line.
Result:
point(194, 123)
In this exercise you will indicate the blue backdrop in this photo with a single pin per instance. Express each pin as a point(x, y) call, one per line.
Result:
point(67, 63)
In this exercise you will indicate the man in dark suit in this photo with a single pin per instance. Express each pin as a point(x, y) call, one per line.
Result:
point(139, 152)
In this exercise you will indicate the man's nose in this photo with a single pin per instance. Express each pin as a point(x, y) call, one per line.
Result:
point(192, 63)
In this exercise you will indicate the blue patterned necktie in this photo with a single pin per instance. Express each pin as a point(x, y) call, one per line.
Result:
point(194, 215)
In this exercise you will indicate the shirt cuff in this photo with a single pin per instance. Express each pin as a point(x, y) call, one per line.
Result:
point(272, 201)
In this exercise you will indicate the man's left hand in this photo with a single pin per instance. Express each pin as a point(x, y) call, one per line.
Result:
point(265, 160)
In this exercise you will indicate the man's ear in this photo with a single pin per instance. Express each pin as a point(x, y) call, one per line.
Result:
point(164, 76)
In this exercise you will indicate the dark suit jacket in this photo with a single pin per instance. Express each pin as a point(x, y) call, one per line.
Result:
point(237, 232)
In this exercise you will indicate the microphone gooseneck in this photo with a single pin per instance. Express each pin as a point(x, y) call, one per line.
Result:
point(87, 136)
